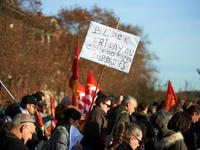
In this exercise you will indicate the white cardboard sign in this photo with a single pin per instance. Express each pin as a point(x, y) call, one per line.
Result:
point(109, 46)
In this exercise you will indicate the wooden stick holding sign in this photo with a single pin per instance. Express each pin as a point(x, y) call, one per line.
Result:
point(99, 80)
point(101, 74)
point(110, 47)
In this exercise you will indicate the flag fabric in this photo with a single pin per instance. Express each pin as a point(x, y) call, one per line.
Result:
point(53, 121)
point(40, 122)
point(81, 99)
point(89, 91)
point(170, 98)
point(74, 75)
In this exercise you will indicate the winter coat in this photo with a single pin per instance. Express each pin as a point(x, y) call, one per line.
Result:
point(170, 140)
point(95, 129)
point(190, 138)
point(59, 140)
point(9, 141)
point(112, 115)
point(124, 146)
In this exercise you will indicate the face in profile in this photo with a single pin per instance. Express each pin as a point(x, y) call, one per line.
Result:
point(134, 141)
point(27, 131)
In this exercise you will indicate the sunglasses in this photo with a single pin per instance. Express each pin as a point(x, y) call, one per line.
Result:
point(139, 141)
point(34, 106)
point(107, 105)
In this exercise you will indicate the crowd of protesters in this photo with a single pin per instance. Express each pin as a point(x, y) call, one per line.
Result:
point(112, 124)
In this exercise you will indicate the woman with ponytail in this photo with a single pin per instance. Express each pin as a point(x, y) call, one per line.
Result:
point(128, 137)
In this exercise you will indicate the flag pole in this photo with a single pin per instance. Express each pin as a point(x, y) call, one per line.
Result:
point(9, 93)
point(101, 74)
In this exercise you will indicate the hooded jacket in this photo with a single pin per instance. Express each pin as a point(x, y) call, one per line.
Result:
point(170, 140)
point(112, 115)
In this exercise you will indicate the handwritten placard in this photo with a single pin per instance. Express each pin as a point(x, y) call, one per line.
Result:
point(109, 46)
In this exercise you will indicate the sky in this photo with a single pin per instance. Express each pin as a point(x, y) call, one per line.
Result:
point(172, 27)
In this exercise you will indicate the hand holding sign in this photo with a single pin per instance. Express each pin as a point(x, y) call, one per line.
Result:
point(109, 46)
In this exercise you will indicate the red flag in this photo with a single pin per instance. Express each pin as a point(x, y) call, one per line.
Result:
point(81, 99)
point(74, 75)
point(40, 122)
point(53, 121)
point(89, 91)
point(170, 98)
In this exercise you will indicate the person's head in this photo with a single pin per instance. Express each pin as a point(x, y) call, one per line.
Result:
point(103, 101)
point(23, 126)
point(194, 112)
point(187, 104)
point(142, 107)
point(29, 103)
point(180, 122)
point(71, 117)
point(160, 119)
point(130, 103)
point(148, 130)
point(114, 101)
point(152, 109)
point(41, 94)
point(175, 108)
point(181, 101)
point(130, 133)
point(66, 101)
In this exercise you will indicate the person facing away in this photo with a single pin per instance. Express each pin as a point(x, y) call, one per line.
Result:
point(128, 137)
point(66, 101)
point(128, 105)
point(96, 126)
point(19, 132)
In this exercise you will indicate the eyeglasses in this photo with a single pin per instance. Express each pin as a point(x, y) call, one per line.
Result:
point(34, 106)
point(139, 141)
point(107, 105)
point(28, 121)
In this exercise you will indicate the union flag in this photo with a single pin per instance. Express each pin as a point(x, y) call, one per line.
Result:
point(74, 75)
point(170, 98)
point(89, 91)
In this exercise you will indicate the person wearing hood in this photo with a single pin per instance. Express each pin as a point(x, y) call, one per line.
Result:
point(95, 129)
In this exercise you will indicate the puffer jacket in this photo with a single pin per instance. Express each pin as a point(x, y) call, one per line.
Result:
point(170, 140)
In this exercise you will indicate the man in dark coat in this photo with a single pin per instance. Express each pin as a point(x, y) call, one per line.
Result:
point(19, 132)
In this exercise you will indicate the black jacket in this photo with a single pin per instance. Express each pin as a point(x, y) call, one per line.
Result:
point(9, 141)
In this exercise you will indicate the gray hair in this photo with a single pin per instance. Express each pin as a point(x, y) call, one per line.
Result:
point(21, 118)
point(128, 99)
point(160, 119)
point(65, 99)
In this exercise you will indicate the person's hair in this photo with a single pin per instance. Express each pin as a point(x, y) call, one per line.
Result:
point(114, 101)
point(128, 99)
point(40, 93)
point(21, 118)
point(142, 107)
point(148, 130)
point(160, 119)
point(65, 99)
point(187, 104)
point(175, 108)
point(124, 133)
point(180, 122)
point(70, 113)
point(192, 109)
point(101, 98)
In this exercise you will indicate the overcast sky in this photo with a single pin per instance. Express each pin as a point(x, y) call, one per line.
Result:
point(172, 26)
